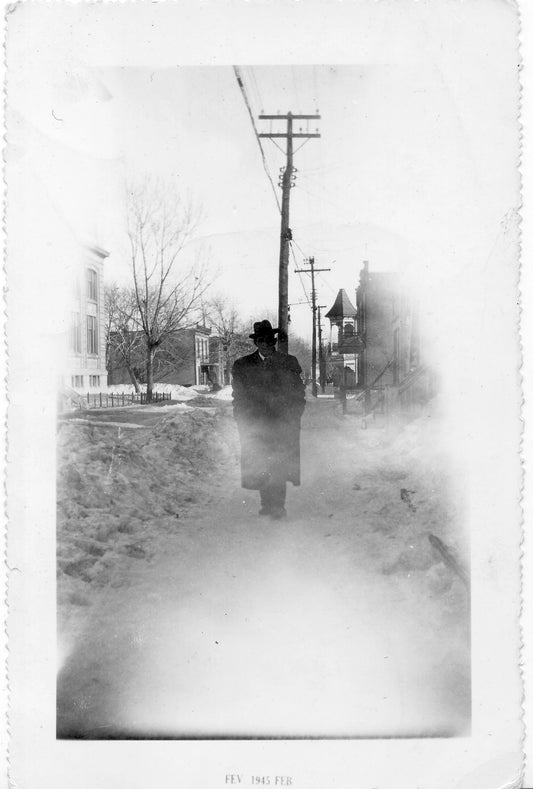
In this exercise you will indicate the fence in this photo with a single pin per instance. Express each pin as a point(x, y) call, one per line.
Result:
point(114, 400)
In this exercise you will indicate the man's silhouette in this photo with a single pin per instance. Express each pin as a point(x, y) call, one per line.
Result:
point(268, 402)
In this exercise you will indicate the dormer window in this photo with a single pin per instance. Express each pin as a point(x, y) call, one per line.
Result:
point(92, 285)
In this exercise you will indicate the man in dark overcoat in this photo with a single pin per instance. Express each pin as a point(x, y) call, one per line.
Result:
point(268, 402)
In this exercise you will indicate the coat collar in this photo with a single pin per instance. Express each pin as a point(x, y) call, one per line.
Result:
point(256, 356)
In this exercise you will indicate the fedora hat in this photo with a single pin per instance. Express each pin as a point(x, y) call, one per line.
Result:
point(263, 329)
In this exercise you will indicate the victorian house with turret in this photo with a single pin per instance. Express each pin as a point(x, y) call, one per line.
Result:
point(375, 346)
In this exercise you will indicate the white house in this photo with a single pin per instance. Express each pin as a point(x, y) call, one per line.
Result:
point(86, 369)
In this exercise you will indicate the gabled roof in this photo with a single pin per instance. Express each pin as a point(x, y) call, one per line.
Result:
point(343, 307)
point(101, 253)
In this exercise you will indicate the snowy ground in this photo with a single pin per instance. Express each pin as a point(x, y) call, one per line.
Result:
point(184, 614)
point(177, 392)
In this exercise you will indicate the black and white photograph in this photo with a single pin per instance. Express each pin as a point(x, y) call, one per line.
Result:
point(262, 271)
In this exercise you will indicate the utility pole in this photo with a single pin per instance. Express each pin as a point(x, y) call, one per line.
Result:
point(287, 181)
point(321, 360)
point(311, 262)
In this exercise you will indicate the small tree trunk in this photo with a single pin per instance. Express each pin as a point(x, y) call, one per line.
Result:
point(133, 378)
point(150, 372)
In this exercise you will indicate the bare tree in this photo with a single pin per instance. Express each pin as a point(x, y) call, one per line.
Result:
point(110, 311)
point(302, 350)
point(230, 329)
point(124, 339)
point(167, 294)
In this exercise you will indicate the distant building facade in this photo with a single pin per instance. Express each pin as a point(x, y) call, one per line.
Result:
point(377, 303)
point(345, 347)
point(414, 379)
point(85, 368)
point(376, 346)
point(188, 357)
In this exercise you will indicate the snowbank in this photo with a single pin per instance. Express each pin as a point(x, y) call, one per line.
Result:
point(120, 491)
point(224, 394)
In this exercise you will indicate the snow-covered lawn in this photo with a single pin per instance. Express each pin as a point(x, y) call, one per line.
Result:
point(176, 391)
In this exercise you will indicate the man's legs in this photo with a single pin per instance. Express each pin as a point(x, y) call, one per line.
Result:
point(265, 501)
point(273, 499)
point(278, 491)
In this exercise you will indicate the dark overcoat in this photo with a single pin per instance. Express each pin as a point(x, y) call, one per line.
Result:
point(268, 402)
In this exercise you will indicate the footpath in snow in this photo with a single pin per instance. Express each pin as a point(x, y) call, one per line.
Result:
point(182, 613)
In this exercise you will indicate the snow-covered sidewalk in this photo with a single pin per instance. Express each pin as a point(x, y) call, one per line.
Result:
point(185, 614)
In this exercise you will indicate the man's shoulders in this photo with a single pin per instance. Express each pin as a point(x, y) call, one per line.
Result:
point(292, 362)
point(243, 361)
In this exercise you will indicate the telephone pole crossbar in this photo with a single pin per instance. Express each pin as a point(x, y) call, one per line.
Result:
point(289, 114)
point(297, 134)
point(312, 271)
point(286, 234)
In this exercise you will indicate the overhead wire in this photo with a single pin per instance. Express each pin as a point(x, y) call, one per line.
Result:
point(326, 283)
point(255, 90)
point(324, 199)
point(302, 145)
point(294, 82)
point(316, 174)
point(315, 87)
point(307, 298)
point(250, 113)
point(318, 274)
point(256, 86)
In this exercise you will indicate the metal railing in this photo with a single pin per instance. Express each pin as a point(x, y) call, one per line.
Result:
point(366, 394)
point(115, 400)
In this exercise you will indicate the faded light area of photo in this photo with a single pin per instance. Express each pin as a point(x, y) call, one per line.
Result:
point(239, 566)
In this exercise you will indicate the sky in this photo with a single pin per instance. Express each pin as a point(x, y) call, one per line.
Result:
point(403, 175)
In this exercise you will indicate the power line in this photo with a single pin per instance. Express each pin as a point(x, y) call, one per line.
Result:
point(294, 82)
point(298, 247)
point(255, 87)
point(299, 275)
point(315, 87)
point(301, 145)
point(305, 256)
point(250, 113)
point(321, 197)
point(326, 283)
point(311, 262)
point(288, 169)
point(287, 178)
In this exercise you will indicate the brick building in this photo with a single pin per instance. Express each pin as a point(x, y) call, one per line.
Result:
point(188, 357)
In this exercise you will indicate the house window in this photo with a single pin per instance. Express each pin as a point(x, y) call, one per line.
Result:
point(94, 380)
point(77, 381)
point(202, 349)
point(92, 335)
point(92, 285)
point(75, 333)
